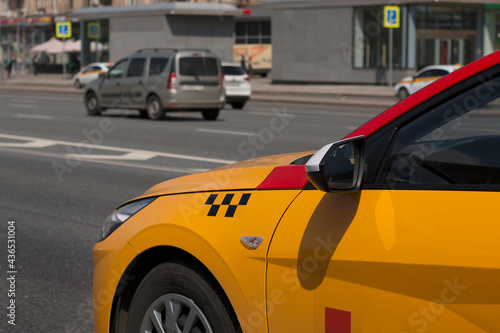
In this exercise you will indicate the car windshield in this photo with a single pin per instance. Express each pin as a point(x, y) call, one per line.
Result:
point(232, 70)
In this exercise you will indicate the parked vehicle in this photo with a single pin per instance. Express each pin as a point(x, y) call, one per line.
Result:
point(237, 85)
point(422, 78)
point(89, 73)
point(155, 81)
point(258, 58)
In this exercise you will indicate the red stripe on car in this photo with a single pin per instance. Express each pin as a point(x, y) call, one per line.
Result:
point(337, 321)
point(285, 177)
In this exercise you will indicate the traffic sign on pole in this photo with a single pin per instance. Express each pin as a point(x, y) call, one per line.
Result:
point(391, 17)
point(94, 30)
point(391, 21)
point(63, 29)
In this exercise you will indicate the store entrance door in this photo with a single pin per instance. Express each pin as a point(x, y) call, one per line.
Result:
point(437, 47)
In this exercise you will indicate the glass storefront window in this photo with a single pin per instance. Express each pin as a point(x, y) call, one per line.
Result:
point(440, 17)
point(253, 32)
point(371, 40)
point(95, 41)
point(445, 35)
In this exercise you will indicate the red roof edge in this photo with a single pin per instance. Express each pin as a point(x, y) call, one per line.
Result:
point(427, 92)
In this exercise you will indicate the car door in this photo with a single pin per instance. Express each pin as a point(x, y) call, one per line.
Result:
point(133, 93)
point(109, 88)
point(416, 249)
point(425, 78)
point(90, 74)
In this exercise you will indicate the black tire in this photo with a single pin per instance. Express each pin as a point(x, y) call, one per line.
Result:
point(263, 75)
point(191, 290)
point(143, 113)
point(155, 110)
point(78, 84)
point(403, 93)
point(92, 104)
point(210, 114)
point(238, 105)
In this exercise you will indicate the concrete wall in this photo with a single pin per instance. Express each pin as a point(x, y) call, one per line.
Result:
point(316, 45)
point(128, 34)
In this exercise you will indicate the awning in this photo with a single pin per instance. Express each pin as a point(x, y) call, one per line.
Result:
point(49, 45)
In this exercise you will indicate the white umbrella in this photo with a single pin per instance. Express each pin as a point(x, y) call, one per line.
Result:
point(51, 44)
point(68, 47)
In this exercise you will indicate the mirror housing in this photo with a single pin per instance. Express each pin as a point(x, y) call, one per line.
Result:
point(338, 166)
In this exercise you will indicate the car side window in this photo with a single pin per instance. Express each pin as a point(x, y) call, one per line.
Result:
point(439, 72)
point(136, 67)
point(427, 73)
point(457, 142)
point(117, 70)
point(92, 69)
point(157, 65)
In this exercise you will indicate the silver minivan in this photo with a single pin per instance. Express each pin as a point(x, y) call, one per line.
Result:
point(155, 81)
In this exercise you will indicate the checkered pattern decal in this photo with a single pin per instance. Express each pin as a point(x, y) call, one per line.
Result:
point(230, 200)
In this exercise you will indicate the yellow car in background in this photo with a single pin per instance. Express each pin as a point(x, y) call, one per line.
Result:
point(90, 72)
point(422, 78)
point(392, 229)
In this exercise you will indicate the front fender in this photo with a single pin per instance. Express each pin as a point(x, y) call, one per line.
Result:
point(191, 223)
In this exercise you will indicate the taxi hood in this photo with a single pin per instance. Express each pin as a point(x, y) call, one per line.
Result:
point(272, 172)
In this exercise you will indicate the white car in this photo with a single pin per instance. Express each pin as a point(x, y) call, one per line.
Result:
point(423, 77)
point(237, 85)
point(89, 73)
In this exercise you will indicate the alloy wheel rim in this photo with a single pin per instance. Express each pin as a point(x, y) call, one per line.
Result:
point(92, 103)
point(153, 107)
point(174, 313)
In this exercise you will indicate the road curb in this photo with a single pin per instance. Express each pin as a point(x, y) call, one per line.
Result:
point(256, 97)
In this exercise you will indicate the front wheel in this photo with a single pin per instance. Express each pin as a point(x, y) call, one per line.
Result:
point(403, 93)
point(174, 297)
point(210, 114)
point(92, 104)
point(155, 109)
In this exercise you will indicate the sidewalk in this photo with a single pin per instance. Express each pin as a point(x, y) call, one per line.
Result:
point(262, 90)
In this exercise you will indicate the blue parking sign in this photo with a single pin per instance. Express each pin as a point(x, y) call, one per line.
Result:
point(391, 17)
point(94, 30)
point(63, 29)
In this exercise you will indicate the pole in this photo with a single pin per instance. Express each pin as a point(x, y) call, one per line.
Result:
point(64, 58)
point(390, 57)
point(1, 55)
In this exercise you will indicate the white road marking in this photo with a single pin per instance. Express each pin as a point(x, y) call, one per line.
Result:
point(46, 98)
point(224, 132)
point(272, 114)
point(34, 116)
point(124, 164)
point(29, 144)
point(333, 113)
point(24, 101)
point(24, 106)
point(134, 154)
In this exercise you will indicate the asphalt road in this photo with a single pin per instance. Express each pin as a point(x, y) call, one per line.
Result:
point(63, 172)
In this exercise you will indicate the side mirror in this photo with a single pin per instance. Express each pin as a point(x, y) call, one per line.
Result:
point(339, 166)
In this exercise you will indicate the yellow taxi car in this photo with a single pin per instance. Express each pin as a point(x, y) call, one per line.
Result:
point(393, 229)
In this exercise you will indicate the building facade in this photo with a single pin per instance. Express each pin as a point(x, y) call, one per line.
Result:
point(340, 41)
point(26, 23)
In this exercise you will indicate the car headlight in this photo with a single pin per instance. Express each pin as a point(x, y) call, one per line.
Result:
point(121, 215)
